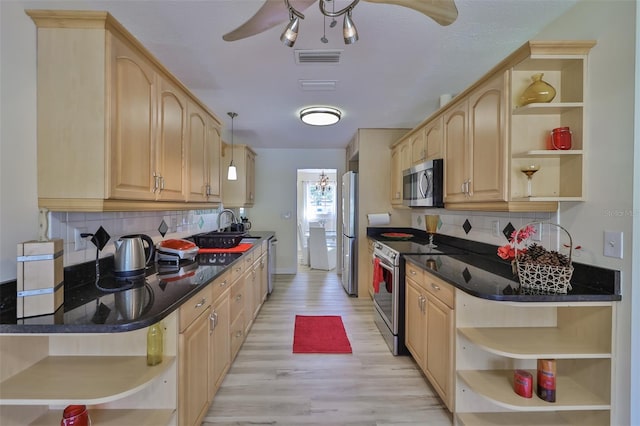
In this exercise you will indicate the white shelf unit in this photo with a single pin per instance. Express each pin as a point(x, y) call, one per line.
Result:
point(42, 374)
point(578, 335)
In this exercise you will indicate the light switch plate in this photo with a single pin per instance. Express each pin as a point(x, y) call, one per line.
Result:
point(613, 244)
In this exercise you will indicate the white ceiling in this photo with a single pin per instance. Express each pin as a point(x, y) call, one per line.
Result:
point(392, 77)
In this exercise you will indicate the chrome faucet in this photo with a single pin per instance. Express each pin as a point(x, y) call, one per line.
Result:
point(233, 217)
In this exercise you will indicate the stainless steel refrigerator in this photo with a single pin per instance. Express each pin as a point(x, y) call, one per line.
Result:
point(349, 263)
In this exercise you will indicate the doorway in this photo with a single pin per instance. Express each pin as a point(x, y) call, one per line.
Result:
point(317, 206)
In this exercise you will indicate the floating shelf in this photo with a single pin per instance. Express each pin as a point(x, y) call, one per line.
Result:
point(90, 380)
point(546, 108)
point(552, 153)
point(496, 386)
point(585, 418)
point(112, 417)
point(541, 342)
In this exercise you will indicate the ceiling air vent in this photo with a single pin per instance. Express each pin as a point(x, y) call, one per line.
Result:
point(317, 56)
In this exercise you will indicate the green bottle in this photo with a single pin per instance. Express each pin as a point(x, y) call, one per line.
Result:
point(155, 345)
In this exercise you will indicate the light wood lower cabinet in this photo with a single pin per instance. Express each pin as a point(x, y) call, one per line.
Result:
point(429, 328)
point(109, 370)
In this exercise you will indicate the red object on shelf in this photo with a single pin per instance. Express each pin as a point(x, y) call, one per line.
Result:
point(75, 415)
point(240, 248)
point(523, 383)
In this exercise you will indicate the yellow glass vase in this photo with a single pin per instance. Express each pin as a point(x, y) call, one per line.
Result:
point(538, 91)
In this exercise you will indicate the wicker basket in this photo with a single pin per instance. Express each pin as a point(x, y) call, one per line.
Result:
point(546, 278)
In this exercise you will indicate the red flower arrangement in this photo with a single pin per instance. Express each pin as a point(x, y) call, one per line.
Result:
point(508, 251)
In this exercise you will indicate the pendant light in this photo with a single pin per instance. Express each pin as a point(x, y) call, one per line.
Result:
point(232, 173)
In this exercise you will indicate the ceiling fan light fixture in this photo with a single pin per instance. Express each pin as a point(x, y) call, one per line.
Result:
point(349, 31)
point(290, 33)
point(320, 116)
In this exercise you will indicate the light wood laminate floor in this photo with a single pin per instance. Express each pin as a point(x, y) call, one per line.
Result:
point(268, 384)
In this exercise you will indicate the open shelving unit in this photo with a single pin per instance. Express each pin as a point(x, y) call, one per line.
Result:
point(577, 335)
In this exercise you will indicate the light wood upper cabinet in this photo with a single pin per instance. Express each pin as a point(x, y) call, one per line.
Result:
point(400, 161)
point(456, 160)
point(434, 139)
point(112, 118)
point(418, 147)
point(240, 192)
point(133, 123)
point(488, 137)
point(169, 174)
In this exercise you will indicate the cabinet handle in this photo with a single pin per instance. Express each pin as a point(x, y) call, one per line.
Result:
point(155, 182)
point(435, 287)
point(223, 283)
point(239, 333)
point(161, 183)
point(201, 303)
point(238, 297)
point(213, 321)
point(412, 272)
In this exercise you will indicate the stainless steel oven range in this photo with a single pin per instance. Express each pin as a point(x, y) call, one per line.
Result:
point(389, 299)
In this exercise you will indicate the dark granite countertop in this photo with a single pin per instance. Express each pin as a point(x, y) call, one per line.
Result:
point(106, 306)
point(476, 269)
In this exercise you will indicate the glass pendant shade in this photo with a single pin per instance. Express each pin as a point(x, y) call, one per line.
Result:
point(232, 173)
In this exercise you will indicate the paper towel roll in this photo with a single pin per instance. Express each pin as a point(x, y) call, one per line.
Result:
point(378, 219)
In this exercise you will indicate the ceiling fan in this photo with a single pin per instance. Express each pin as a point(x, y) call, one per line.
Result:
point(274, 12)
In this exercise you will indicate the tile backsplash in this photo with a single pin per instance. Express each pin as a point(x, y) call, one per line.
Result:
point(178, 224)
point(486, 227)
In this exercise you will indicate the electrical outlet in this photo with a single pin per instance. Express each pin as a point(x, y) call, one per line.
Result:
point(495, 228)
point(613, 244)
point(80, 243)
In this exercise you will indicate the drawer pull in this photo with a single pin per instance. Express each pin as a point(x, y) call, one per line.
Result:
point(201, 303)
point(435, 286)
point(223, 283)
point(239, 333)
point(412, 272)
point(238, 297)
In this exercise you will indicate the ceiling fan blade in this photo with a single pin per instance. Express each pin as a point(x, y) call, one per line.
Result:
point(272, 13)
point(444, 12)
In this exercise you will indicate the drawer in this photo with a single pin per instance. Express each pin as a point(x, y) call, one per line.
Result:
point(441, 290)
point(248, 259)
point(237, 299)
point(192, 308)
point(236, 270)
point(222, 283)
point(414, 272)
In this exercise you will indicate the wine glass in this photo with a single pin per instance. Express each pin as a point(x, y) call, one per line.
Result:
point(529, 170)
point(432, 221)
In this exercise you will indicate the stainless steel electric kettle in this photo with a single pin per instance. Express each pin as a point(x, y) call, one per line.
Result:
point(131, 257)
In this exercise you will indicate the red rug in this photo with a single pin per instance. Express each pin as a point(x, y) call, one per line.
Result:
point(322, 334)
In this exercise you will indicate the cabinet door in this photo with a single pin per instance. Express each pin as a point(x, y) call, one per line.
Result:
point(456, 153)
point(487, 124)
point(214, 147)
point(418, 149)
point(220, 344)
point(396, 177)
point(169, 170)
point(433, 138)
point(193, 371)
point(414, 321)
point(197, 149)
point(133, 117)
point(439, 335)
point(251, 177)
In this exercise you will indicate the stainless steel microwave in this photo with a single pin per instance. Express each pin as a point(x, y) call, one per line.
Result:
point(422, 184)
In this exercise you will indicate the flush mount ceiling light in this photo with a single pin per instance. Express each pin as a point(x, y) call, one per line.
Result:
point(349, 31)
point(320, 116)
